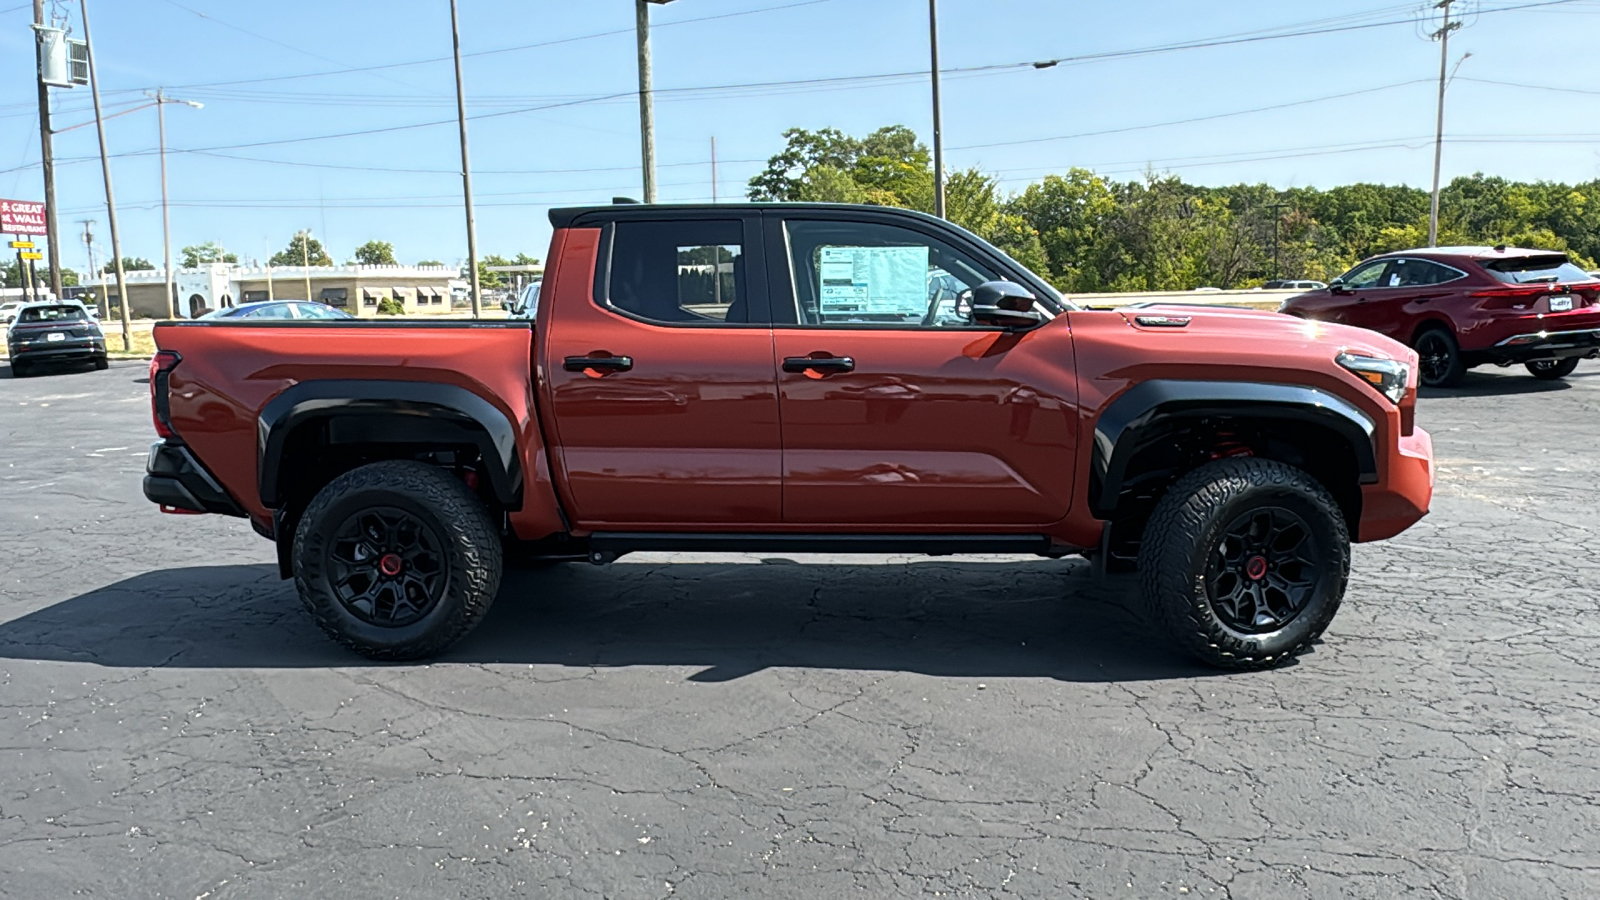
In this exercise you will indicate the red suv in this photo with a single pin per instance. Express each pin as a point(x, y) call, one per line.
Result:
point(1461, 307)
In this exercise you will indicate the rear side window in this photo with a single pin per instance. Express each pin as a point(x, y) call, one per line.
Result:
point(51, 314)
point(1552, 269)
point(679, 273)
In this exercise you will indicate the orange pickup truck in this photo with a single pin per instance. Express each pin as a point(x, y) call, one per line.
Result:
point(797, 378)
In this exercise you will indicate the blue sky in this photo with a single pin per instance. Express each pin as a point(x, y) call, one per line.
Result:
point(568, 129)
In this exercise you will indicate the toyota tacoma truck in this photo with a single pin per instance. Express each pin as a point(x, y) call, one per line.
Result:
point(796, 378)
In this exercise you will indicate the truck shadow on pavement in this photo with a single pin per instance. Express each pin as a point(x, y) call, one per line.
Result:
point(1047, 619)
point(1490, 384)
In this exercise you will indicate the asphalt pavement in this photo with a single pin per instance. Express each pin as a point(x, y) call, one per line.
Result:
point(173, 725)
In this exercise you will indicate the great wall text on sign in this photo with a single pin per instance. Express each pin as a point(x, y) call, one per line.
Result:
point(22, 217)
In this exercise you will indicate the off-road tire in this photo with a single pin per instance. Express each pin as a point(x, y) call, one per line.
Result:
point(1187, 528)
point(461, 525)
point(1552, 369)
point(1437, 341)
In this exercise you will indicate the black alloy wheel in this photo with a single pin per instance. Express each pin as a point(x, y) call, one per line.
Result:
point(1264, 570)
point(1440, 358)
point(387, 567)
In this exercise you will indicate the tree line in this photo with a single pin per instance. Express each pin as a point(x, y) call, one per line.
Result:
point(1089, 233)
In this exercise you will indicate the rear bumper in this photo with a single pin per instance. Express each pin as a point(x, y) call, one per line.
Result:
point(1402, 495)
point(175, 480)
point(61, 351)
point(1546, 345)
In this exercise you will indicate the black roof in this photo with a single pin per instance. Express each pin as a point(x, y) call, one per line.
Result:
point(563, 217)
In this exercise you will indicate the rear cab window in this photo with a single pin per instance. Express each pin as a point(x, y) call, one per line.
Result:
point(679, 272)
point(1552, 268)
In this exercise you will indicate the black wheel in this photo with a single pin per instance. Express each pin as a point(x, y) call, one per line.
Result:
point(1552, 369)
point(101, 363)
point(397, 560)
point(1440, 358)
point(1244, 562)
point(20, 369)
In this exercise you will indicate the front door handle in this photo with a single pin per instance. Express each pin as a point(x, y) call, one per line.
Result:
point(599, 363)
point(820, 364)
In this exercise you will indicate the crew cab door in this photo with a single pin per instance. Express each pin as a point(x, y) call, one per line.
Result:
point(656, 362)
point(898, 411)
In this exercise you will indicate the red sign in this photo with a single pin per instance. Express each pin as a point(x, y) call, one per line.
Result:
point(22, 217)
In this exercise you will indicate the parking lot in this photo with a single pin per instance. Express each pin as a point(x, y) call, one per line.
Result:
point(172, 724)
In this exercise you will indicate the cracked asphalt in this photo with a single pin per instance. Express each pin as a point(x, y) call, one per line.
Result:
point(173, 725)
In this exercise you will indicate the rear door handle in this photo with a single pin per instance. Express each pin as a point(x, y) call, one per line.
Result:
point(824, 364)
point(602, 363)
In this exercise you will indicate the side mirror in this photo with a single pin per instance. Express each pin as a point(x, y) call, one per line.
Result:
point(1004, 303)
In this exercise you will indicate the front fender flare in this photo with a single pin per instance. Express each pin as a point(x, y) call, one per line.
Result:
point(1146, 407)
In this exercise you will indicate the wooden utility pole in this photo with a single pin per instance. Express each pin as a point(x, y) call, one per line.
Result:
point(466, 166)
point(48, 160)
point(647, 115)
point(105, 170)
point(1443, 36)
point(166, 215)
point(305, 257)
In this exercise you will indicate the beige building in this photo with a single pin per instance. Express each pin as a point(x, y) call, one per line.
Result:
point(358, 290)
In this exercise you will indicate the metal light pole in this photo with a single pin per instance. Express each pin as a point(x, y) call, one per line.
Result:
point(105, 171)
point(466, 166)
point(1443, 36)
point(938, 135)
point(166, 215)
point(647, 116)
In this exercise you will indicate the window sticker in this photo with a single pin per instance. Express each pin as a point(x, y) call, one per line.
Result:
point(874, 281)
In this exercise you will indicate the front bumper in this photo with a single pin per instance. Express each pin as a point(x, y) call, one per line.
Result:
point(1402, 495)
point(175, 480)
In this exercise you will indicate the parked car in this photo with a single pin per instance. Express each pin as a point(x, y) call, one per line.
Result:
point(279, 309)
point(526, 303)
point(8, 311)
point(1461, 307)
point(44, 333)
point(1281, 284)
point(826, 396)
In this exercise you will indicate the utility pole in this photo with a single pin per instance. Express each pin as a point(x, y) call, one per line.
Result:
point(1277, 219)
point(268, 247)
point(1443, 37)
point(105, 170)
point(647, 115)
point(305, 257)
point(938, 135)
point(716, 252)
point(47, 158)
point(88, 245)
point(713, 168)
point(466, 166)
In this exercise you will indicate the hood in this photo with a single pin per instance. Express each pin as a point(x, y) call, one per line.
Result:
point(1257, 329)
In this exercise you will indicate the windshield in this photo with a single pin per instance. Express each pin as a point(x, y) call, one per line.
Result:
point(52, 314)
point(1552, 269)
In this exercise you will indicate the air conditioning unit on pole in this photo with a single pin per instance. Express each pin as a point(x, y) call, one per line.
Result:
point(63, 62)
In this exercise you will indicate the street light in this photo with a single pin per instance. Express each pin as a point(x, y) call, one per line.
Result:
point(166, 217)
point(647, 123)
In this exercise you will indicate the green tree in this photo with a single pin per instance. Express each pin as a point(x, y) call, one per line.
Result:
point(376, 253)
point(303, 249)
point(430, 262)
point(136, 263)
point(209, 252)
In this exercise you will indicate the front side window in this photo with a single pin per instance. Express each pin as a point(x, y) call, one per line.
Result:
point(852, 274)
point(1366, 276)
point(679, 273)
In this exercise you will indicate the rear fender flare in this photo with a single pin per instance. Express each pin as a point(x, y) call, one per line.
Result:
point(390, 412)
point(1125, 424)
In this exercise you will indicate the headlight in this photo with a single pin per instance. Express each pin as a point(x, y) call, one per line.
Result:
point(1389, 376)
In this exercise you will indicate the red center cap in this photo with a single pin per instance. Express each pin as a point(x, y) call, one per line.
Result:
point(1256, 568)
point(391, 565)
